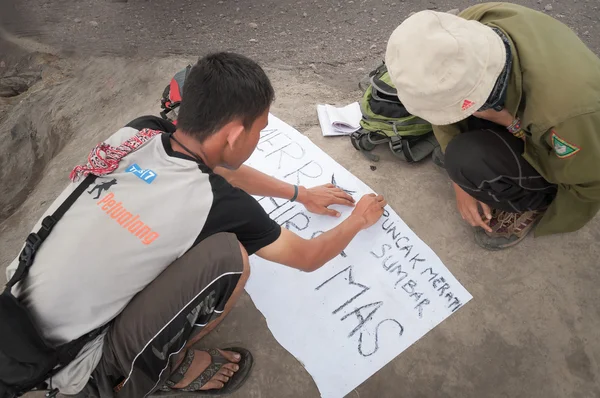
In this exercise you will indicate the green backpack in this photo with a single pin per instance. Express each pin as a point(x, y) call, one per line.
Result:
point(386, 120)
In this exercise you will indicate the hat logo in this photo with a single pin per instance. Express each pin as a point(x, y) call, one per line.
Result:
point(467, 104)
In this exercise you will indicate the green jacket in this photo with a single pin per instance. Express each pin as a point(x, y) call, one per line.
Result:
point(555, 89)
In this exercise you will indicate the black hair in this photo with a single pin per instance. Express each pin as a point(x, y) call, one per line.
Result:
point(220, 88)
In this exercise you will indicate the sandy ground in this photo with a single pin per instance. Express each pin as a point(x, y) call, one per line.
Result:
point(531, 329)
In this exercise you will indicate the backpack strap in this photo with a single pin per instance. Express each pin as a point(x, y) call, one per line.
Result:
point(69, 351)
point(361, 142)
point(413, 149)
point(35, 239)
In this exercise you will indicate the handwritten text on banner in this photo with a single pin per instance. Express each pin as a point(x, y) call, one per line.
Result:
point(348, 319)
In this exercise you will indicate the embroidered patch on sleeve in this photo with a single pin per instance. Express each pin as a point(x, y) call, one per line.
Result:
point(563, 148)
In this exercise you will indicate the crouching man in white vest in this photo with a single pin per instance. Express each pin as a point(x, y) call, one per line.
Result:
point(155, 251)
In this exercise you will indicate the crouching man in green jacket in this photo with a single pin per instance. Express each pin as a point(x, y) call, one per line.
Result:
point(514, 97)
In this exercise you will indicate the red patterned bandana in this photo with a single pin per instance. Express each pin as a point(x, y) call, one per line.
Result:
point(104, 159)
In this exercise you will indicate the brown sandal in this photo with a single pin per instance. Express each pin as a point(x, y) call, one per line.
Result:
point(217, 362)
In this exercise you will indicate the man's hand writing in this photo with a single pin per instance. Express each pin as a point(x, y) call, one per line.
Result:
point(369, 209)
point(317, 199)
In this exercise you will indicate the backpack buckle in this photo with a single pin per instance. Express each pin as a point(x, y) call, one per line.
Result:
point(52, 393)
point(48, 223)
point(397, 144)
point(32, 244)
point(34, 241)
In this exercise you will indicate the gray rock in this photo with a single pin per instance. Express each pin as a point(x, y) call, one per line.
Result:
point(283, 34)
point(312, 66)
point(253, 41)
point(12, 86)
point(94, 24)
point(253, 25)
point(586, 33)
point(2, 64)
point(77, 20)
point(28, 144)
point(454, 11)
point(373, 20)
point(305, 15)
point(548, 7)
point(237, 22)
point(373, 46)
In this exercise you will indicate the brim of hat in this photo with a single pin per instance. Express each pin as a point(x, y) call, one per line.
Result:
point(479, 95)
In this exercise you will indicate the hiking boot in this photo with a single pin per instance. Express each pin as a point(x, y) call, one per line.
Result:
point(508, 229)
point(438, 157)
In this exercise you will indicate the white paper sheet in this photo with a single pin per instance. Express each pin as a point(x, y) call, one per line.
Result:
point(339, 121)
point(348, 319)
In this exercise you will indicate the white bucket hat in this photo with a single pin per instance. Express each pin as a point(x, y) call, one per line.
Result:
point(443, 66)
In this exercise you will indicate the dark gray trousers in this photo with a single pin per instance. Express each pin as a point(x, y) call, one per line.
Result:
point(159, 320)
point(487, 163)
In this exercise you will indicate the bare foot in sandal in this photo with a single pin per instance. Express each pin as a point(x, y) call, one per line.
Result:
point(209, 371)
point(200, 364)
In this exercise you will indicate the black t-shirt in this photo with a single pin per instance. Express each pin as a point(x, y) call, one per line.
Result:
point(232, 210)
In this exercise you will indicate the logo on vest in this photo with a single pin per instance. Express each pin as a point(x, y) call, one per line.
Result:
point(105, 186)
point(145, 175)
point(562, 148)
point(127, 220)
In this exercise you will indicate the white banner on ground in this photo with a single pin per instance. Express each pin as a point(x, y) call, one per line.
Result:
point(351, 317)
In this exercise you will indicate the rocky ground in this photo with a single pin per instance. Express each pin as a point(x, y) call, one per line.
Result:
point(336, 40)
point(72, 72)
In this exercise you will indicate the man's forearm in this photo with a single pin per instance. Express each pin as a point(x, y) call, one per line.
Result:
point(256, 183)
point(310, 254)
point(331, 243)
